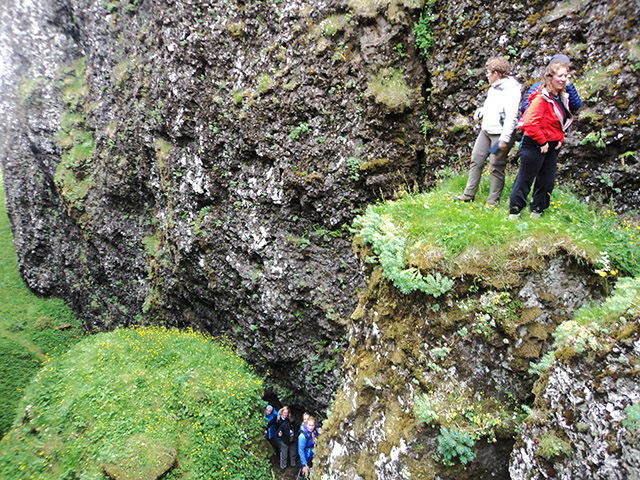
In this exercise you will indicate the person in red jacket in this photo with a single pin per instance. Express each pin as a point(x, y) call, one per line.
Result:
point(544, 123)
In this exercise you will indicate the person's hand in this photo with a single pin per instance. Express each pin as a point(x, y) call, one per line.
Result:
point(279, 434)
point(502, 146)
point(305, 470)
point(544, 148)
point(477, 116)
point(559, 145)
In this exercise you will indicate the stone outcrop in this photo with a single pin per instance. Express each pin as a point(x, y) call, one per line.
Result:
point(418, 366)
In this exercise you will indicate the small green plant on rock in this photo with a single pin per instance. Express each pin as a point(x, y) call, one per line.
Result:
point(353, 165)
point(454, 444)
point(598, 138)
point(633, 417)
point(550, 446)
point(423, 30)
point(299, 130)
point(424, 409)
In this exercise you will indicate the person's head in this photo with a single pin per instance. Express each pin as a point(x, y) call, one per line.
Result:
point(291, 417)
point(284, 412)
point(497, 68)
point(310, 423)
point(560, 58)
point(305, 415)
point(556, 77)
point(268, 410)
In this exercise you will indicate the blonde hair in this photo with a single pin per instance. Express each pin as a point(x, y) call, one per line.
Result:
point(310, 418)
point(550, 71)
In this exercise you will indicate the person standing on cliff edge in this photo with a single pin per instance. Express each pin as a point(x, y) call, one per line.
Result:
point(544, 123)
point(499, 116)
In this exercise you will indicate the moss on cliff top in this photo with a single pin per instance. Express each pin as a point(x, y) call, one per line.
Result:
point(430, 231)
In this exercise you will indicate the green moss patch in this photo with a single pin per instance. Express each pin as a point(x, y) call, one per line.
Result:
point(140, 403)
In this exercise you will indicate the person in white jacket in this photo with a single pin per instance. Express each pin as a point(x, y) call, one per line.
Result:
point(499, 116)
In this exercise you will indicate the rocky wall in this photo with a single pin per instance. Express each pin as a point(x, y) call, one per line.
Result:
point(197, 163)
point(423, 374)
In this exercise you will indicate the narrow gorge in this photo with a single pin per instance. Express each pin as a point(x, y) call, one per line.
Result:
point(211, 164)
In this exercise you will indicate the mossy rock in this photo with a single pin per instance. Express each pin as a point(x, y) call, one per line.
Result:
point(147, 459)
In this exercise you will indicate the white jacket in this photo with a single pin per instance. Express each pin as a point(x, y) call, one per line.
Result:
point(500, 110)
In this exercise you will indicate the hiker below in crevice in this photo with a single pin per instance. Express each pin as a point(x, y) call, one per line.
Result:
point(305, 416)
point(271, 415)
point(287, 432)
point(306, 444)
point(575, 102)
point(543, 124)
point(499, 116)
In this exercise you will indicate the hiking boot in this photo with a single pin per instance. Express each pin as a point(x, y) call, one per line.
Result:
point(536, 215)
point(463, 198)
point(490, 206)
point(514, 216)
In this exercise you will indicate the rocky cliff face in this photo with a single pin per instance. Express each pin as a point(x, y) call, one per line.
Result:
point(418, 367)
point(197, 163)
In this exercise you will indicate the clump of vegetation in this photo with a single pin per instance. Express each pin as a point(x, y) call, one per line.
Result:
point(137, 403)
point(333, 24)
point(469, 411)
point(389, 88)
point(353, 164)
point(389, 244)
point(633, 417)
point(454, 444)
point(31, 328)
point(592, 326)
point(74, 173)
point(265, 83)
point(550, 446)
point(299, 130)
point(423, 30)
point(594, 81)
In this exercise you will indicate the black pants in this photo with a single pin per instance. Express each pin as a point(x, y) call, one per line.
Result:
point(537, 166)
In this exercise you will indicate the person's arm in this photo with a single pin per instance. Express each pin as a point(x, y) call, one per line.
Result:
point(532, 120)
point(302, 441)
point(575, 102)
point(272, 422)
point(512, 101)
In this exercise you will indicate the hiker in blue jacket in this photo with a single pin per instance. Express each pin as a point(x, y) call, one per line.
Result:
point(271, 415)
point(575, 102)
point(306, 443)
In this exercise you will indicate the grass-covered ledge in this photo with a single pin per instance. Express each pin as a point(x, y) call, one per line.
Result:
point(140, 404)
point(423, 241)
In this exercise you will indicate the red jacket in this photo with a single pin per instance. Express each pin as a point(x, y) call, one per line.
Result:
point(543, 121)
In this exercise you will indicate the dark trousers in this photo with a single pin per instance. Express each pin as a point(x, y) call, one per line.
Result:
point(538, 167)
point(275, 444)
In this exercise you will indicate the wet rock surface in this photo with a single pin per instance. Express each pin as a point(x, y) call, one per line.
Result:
point(579, 427)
